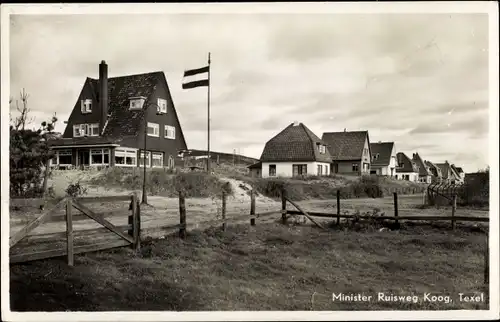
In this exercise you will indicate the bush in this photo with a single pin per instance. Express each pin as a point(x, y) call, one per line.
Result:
point(75, 190)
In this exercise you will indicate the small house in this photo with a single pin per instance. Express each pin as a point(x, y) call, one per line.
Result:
point(350, 151)
point(424, 171)
point(406, 168)
point(383, 161)
point(295, 151)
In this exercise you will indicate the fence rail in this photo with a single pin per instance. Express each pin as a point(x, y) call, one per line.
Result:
point(130, 234)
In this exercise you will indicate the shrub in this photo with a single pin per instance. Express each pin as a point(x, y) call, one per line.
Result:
point(75, 190)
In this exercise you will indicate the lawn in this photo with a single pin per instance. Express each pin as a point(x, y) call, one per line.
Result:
point(266, 267)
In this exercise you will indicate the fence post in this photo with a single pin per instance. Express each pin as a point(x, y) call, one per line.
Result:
point(136, 219)
point(453, 210)
point(283, 205)
point(396, 207)
point(182, 211)
point(338, 207)
point(252, 208)
point(69, 231)
point(224, 198)
point(487, 260)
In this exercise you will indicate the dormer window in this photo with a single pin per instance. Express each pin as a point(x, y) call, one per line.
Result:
point(86, 106)
point(322, 149)
point(136, 103)
point(162, 106)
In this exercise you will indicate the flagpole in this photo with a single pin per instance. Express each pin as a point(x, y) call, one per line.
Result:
point(208, 117)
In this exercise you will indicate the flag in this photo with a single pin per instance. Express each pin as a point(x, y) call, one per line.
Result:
point(191, 82)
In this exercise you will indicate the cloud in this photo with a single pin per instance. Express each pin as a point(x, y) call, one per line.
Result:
point(403, 77)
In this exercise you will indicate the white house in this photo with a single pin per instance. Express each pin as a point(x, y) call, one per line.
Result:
point(295, 151)
point(406, 168)
point(383, 159)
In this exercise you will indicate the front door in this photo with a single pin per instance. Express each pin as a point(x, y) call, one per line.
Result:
point(84, 158)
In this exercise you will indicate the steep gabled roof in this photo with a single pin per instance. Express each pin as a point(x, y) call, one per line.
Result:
point(346, 146)
point(423, 169)
point(408, 164)
point(454, 171)
point(122, 121)
point(435, 170)
point(294, 143)
point(460, 170)
point(384, 151)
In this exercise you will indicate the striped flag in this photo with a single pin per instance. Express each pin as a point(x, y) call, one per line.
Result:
point(192, 78)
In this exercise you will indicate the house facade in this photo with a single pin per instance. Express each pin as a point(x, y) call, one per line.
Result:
point(406, 168)
point(383, 159)
point(112, 119)
point(458, 174)
point(424, 171)
point(437, 176)
point(350, 151)
point(295, 151)
point(448, 173)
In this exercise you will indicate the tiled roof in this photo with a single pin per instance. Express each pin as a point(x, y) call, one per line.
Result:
point(423, 169)
point(408, 164)
point(383, 150)
point(89, 140)
point(294, 143)
point(122, 121)
point(345, 146)
point(435, 170)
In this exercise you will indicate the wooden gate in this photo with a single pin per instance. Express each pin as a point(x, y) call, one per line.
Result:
point(128, 234)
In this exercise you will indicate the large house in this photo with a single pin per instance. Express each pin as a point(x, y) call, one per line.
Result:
point(424, 171)
point(108, 123)
point(350, 151)
point(295, 151)
point(406, 168)
point(383, 159)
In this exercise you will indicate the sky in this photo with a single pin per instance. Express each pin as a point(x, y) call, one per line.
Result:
point(419, 80)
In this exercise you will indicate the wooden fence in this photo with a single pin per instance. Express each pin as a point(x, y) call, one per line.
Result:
point(396, 218)
point(129, 234)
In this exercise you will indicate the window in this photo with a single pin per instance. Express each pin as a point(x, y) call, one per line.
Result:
point(86, 130)
point(76, 130)
point(355, 167)
point(326, 170)
point(169, 132)
point(136, 103)
point(272, 170)
point(320, 170)
point(157, 159)
point(94, 129)
point(322, 149)
point(125, 157)
point(153, 129)
point(162, 105)
point(299, 169)
point(62, 157)
point(141, 159)
point(99, 157)
point(86, 106)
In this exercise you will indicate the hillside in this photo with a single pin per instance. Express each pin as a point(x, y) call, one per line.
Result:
point(227, 158)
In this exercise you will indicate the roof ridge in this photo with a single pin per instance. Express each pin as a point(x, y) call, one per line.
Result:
point(130, 75)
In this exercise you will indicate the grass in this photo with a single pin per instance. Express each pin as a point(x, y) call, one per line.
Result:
point(313, 187)
point(162, 182)
point(267, 267)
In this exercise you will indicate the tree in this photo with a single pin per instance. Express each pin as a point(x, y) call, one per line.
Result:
point(29, 151)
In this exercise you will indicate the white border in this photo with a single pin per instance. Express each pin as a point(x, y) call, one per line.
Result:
point(368, 7)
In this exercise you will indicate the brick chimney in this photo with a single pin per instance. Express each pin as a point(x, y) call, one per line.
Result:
point(103, 94)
